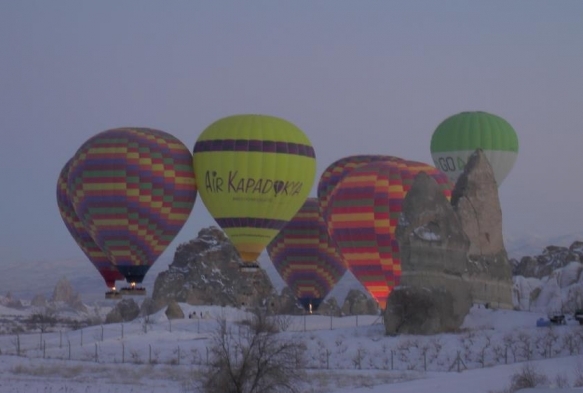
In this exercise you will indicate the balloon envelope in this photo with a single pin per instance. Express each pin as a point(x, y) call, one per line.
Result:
point(133, 189)
point(83, 239)
point(305, 257)
point(254, 172)
point(336, 171)
point(458, 136)
point(364, 211)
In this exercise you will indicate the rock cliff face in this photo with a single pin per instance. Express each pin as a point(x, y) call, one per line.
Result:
point(550, 282)
point(475, 200)
point(552, 258)
point(433, 252)
point(66, 295)
point(206, 270)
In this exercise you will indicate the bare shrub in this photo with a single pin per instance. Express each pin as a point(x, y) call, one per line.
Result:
point(511, 344)
point(578, 375)
point(283, 321)
point(525, 345)
point(561, 381)
point(42, 319)
point(253, 359)
point(571, 343)
point(528, 377)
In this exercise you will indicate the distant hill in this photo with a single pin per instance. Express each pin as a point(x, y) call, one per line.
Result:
point(24, 280)
point(530, 245)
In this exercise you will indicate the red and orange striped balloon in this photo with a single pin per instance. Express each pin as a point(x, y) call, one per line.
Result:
point(363, 213)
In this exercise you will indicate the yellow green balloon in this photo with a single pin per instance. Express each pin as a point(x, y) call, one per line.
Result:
point(254, 172)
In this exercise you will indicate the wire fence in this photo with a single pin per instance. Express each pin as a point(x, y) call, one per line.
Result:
point(358, 343)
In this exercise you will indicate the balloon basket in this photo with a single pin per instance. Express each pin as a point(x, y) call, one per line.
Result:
point(112, 295)
point(249, 267)
point(133, 291)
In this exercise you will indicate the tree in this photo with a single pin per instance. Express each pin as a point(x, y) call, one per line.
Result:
point(42, 319)
point(252, 358)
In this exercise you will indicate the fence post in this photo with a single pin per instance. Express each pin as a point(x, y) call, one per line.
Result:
point(425, 361)
point(44, 349)
point(123, 352)
point(198, 325)
point(81, 337)
point(69, 342)
point(60, 339)
point(392, 354)
point(328, 353)
point(356, 319)
point(178, 357)
point(17, 344)
point(304, 322)
point(96, 358)
point(330, 322)
point(506, 355)
point(122, 331)
point(101, 333)
point(41, 340)
point(207, 356)
point(149, 353)
point(170, 325)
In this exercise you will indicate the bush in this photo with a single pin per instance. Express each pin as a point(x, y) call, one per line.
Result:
point(252, 358)
point(528, 377)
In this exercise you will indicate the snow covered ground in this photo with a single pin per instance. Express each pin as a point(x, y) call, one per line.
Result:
point(346, 354)
point(349, 354)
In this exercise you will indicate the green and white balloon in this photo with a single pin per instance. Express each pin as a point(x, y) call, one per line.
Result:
point(458, 136)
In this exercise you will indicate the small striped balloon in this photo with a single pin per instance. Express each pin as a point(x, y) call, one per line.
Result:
point(305, 257)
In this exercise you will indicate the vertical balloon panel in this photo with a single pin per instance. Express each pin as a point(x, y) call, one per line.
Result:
point(83, 239)
point(254, 172)
point(133, 189)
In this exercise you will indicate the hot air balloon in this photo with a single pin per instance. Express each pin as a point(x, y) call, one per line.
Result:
point(133, 189)
point(336, 172)
point(458, 136)
point(305, 257)
point(95, 255)
point(363, 213)
point(254, 172)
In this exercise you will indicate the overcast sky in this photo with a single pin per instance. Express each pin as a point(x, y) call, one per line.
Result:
point(356, 76)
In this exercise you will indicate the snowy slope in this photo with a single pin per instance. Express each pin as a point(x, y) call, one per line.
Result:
point(167, 356)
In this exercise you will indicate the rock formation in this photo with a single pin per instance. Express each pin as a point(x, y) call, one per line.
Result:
point(124, 311)
point(421, 310)
point(38, 300)
point(433, 254)
point(173, 311)
point(206, 270)
point(552, 258)
point(550, 282)
point(475, 200)
point(330, 307)
point(65, 294)
point(357, 303)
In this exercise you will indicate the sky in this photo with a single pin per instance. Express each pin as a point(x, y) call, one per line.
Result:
point(357, 77)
